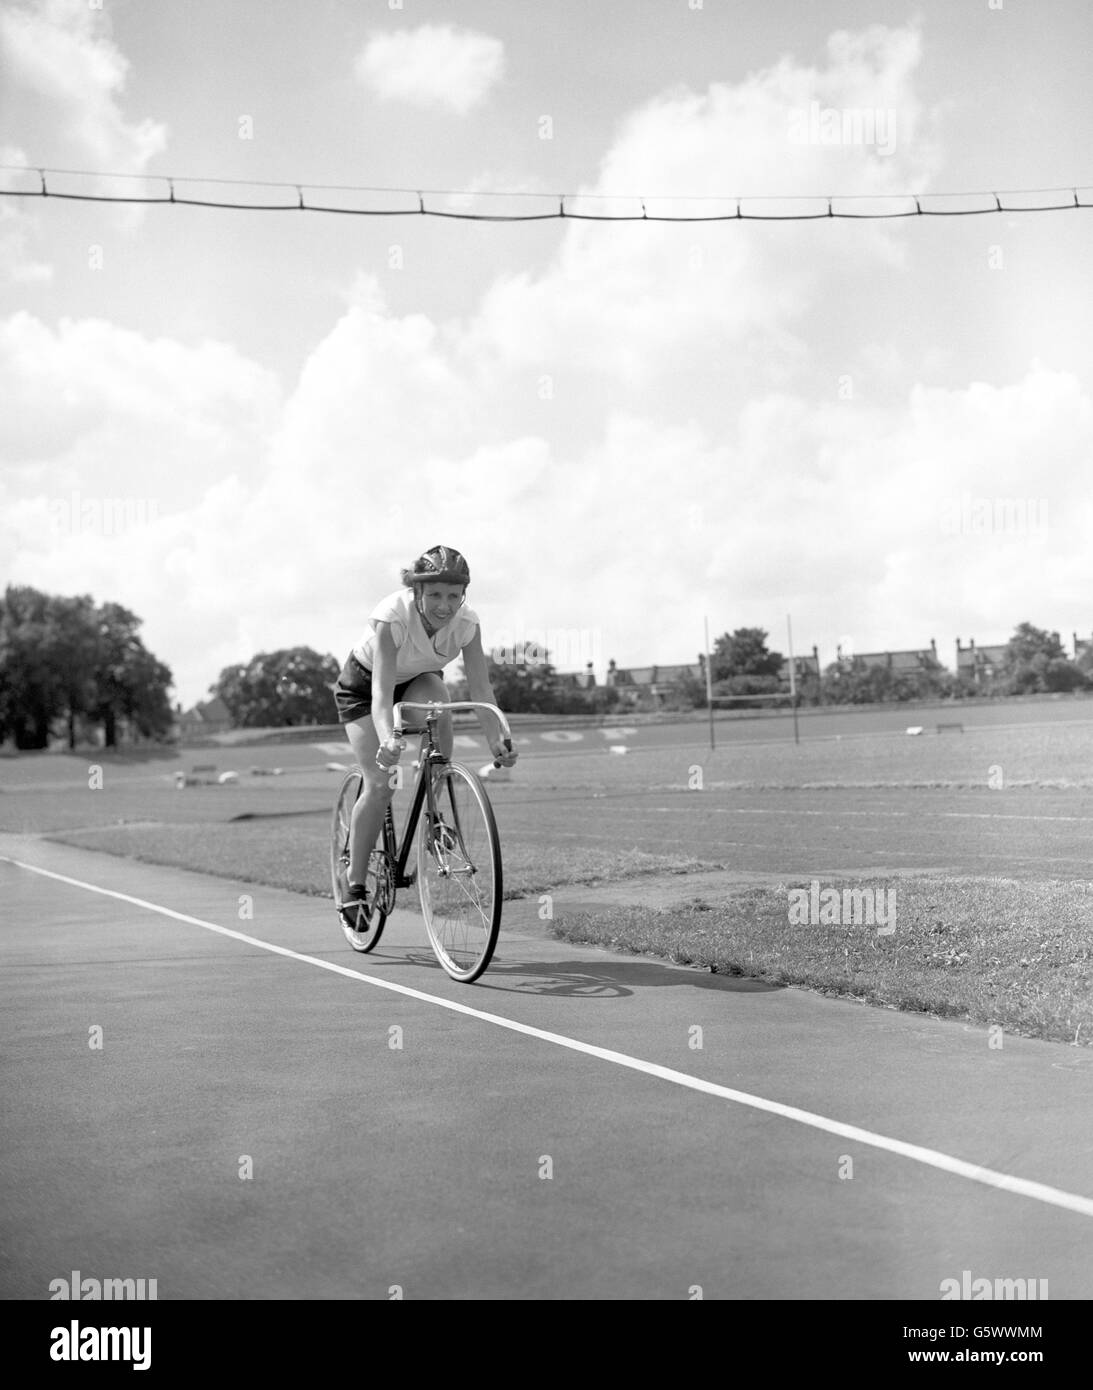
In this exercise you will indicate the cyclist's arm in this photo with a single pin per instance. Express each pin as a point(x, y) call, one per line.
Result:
point(383, 682)
point(479, 685)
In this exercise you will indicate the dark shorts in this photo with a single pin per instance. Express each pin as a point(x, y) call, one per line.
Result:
point(353, 692)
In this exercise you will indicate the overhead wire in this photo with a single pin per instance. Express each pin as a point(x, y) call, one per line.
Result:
point(567, 204)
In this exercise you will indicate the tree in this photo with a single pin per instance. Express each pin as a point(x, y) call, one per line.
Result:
point(524, 681)
point(304, 682)
point(31, 694)
point(231, 685)
point(278, 689)
point(854, 683)
point(1034, 660)
point(690, 691)
point(74, 642)
point(63, 657)
point(602, 700)
point(744, 653)
point(129, 681)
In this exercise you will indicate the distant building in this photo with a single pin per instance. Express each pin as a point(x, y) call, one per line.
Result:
point(206, 717)
point(979, 664)
point(924, 659)
point(1082, 645)
point(803, 665)
point(578, 680)
point(651, 683)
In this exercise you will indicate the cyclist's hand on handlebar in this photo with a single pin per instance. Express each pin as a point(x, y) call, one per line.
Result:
point(504, 755)
point(389, 752)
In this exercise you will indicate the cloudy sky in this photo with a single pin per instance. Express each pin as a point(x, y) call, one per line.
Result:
point(241, 424)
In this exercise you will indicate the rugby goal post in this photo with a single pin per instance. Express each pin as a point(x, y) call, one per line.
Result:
point(791, 695)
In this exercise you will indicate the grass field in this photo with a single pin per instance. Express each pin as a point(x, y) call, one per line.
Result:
point(1013, 955)
point(983, 835)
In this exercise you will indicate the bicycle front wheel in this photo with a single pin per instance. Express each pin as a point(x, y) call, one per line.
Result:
point(459, 873)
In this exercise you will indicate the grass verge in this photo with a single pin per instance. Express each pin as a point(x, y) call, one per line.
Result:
point(294, 853)
point(1013, 953)
point(1016, 954)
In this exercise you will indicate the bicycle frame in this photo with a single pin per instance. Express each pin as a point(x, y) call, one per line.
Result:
point(398, 850)
point(429, 756)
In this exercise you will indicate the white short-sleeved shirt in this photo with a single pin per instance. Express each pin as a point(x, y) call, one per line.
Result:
point(417, 651)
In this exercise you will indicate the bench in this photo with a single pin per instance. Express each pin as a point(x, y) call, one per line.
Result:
point(955, 728)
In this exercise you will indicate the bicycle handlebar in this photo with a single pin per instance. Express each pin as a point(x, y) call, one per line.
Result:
point(438, 705)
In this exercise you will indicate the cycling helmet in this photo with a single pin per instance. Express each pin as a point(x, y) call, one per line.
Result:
point(440, 564)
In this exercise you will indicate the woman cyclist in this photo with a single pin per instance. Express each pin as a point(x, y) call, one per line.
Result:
point(413, 634)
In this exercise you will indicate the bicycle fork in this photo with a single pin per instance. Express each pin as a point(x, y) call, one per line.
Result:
point(446, 841)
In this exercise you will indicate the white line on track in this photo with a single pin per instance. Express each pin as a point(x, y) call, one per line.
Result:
point(957, 1167)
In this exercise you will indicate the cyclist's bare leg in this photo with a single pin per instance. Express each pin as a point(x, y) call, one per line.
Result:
point(426, 688)
point(372, 803)
point(377, 791)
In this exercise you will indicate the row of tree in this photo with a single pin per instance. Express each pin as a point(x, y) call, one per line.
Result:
point(743, 666)
point(1033, 662)
point(293, 687)
point(75, 663)
point(68, 663)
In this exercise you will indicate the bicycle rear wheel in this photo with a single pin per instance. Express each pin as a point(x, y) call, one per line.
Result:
point(459, 873)
point(361, 930)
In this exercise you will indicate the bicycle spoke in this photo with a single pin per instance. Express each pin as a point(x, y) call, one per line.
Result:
point(460, 874)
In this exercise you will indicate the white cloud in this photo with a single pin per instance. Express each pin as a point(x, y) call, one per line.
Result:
point(63, 50)
point(115, 412)
point(628, 538)
point(680, 467)
point(17, 229)
point(434, 65)
point(17, 265)
point(632, 301)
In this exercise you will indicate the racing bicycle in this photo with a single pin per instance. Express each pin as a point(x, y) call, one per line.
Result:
point(458, 859)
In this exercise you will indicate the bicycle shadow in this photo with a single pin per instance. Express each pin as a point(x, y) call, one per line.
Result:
point(595, 979)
